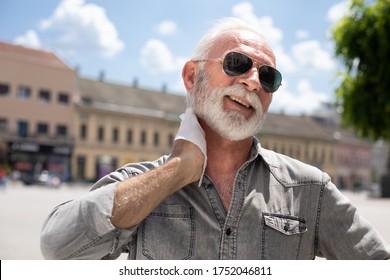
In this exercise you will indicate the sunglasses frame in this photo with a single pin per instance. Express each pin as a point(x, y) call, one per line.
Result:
point(253, 63)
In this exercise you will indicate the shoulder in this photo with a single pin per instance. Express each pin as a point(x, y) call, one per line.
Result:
point(291, 172)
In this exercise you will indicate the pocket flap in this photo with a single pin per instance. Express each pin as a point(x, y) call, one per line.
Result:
point(285, 224)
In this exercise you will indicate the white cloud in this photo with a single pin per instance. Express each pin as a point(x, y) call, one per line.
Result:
point(284, 62)
point(166, 27)
point(29, 39)
point(302, 34)
point(244, 11)
point(310, 54)
point(76, 27)
point(156, 57)
point(338, 11)
point(304, 99)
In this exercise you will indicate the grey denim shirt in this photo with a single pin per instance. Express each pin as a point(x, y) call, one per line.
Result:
point(281, 209)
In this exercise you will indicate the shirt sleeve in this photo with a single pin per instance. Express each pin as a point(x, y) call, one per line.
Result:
point(82, 229)
point(343, 233)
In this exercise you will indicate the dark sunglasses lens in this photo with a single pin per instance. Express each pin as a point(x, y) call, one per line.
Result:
point(236, 64)
point(270, 78)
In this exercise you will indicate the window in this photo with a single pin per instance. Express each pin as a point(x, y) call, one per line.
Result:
point(143, 138)
point(62, 130)
point(156, 139)
point(24, 92)
point(171, 138)
point(315, 155)
point(4, 90)
point(83, 131)
point(86, 100)
point(22, 128)
point(129, 136)
point(323, 155)
point(63, 98)
point(42, 128)
point(298, 152)
point(115, 135)
point(44, 96)
point(100, 135)
point(331, 156)
point(306, 154)
point(81, 167)
point(291, 151)
point(3, 125)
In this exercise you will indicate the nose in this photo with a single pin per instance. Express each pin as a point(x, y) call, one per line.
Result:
point(251, 80)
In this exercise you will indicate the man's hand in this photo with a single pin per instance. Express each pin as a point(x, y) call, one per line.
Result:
point(191, 131)
point(191, 159)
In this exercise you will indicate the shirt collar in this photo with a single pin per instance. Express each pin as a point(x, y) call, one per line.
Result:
point(266, 155)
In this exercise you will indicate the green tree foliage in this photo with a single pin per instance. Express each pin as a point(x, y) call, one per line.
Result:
point(362, 40)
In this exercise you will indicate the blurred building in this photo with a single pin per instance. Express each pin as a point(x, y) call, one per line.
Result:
point(82, 129)
point(302, 138)
point(353, 156)
point(36, 111)
point(116, 124)
point(353, 161)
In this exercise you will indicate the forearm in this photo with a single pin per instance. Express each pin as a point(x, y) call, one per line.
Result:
point(137, 196)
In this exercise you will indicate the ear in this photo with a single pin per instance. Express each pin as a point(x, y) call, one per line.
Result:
point(189, 72)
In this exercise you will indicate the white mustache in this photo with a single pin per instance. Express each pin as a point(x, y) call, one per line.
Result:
point(240, 91)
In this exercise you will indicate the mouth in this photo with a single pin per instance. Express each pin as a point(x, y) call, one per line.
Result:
point(241, 101)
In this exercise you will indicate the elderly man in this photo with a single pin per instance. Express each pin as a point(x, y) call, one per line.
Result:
point(219, 194)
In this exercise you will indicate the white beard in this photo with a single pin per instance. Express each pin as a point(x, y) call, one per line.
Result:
point(232, 125)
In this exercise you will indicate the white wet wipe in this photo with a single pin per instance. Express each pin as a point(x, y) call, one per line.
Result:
point(191, 131)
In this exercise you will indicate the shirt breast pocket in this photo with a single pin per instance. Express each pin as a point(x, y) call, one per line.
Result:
point(282, 235)
point(168, 233)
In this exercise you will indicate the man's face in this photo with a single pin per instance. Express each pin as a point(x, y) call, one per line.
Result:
point(208, 104)
point(234, 107)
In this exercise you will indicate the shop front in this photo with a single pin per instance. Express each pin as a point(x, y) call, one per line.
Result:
point(29, 160)
point(104, 165)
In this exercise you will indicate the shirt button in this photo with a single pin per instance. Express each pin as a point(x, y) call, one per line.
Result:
point(228, 231)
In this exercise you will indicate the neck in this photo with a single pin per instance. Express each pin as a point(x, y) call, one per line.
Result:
point(224, 158)
point(224, 155)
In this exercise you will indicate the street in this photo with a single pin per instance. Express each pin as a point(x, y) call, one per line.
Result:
point(24, 208)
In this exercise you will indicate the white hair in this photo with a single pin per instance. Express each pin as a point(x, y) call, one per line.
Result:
point(222, 26)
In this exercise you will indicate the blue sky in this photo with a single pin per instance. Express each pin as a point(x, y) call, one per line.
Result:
point(150, 40)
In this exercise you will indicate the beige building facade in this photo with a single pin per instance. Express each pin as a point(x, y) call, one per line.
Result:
point(302, 138)
point(117, 124)
point(36, 111)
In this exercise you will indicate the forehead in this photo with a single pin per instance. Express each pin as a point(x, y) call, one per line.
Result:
point(245, 42)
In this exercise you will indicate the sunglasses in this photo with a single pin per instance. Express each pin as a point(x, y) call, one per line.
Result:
point(236, 64)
